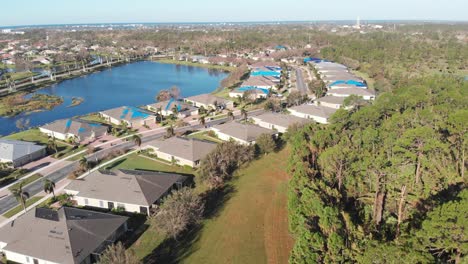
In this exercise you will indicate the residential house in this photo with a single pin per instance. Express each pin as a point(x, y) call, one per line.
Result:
point(167, 108)
point(66, 236)
point(345, 92)
point(129, 190)
point(330, 101)
point(260, 82)
point(319, 113)
point(134, 117)
point(77, 129)
point(255, 93)
point(242, 133)
point(347, 84)
point(18, 153)
point(278, 122)
point(209, 101)
point(182, 151)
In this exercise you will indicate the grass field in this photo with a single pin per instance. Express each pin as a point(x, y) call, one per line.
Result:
point(252, 226)
point(204, 136)
point(18, 208)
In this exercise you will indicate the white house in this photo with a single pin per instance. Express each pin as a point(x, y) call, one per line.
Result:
point(255, 93)
point(18, 153)
point(345, 92)
point(67, 235)
point(245, 134)
point(130, 190)
point(182, 151)
point(209, 101)
point(330, 101)
point(319, 113)
point(278, 122)
point(78, 129)
point(166, 108)
point(132, 116)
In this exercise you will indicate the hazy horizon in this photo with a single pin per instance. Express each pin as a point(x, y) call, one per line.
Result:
point(54, 12)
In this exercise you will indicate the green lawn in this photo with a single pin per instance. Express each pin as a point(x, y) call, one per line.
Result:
point(134, 161)
point(249, 225)
point(18, 208)
point(26, 181)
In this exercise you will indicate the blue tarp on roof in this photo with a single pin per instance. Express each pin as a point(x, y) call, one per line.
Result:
point(81, 130)
point(69, 122)
point(248, 88)
point(350, 82)
point(265, 73)
point(134, 113)
point(312, 59)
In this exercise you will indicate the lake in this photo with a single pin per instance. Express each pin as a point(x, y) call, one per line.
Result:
point(132, 84)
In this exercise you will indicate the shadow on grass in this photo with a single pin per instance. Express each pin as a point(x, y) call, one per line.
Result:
point(171, 250)
point(115, 164)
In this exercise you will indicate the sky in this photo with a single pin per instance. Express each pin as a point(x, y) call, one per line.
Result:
point(34, 12)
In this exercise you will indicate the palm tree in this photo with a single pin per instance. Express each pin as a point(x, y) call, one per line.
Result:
point(52, 145)
point(83, 163)
point(230, 115)
point(49, 186)
point(137, 140)
point(244, 114)
point(170, 131)
point(202, 121)
point(21, 195)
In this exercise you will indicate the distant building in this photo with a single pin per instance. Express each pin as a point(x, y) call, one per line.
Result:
point(255, 93)
point(265, 82)
point(278, 122)
point(331, 101)
point(209, 101)
point(345, 92)
point(242, 133)
point(78, 129)
point(68, 235)
point(132, 116)
point(320, 114)
point(130, 190)
point(182, 151)
point(19, 153)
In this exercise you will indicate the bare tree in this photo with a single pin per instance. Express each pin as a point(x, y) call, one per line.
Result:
point(116, 254)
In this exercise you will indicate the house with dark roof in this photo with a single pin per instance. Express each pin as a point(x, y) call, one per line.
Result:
point(242, 133)
point(78, 129)
point(130, 190)
point(173, 107)
point(66, 236)
point(278, 122)
point(319, 113)
point(132, 116)
point(182, 151)
point(17, 153)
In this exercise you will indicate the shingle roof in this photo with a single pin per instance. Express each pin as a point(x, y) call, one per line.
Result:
point(15, 149)
point(68, 235)
point(208, 99)
point(168, 105)
point(258, 81)
point(281, 119)
point(189, 149)
point(125, 186)
point(76, 127)
point(314, 110)
point(246, 132)
point(127, 113)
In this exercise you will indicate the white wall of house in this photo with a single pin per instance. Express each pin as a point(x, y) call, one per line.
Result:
point(271, 126)
point(318, 119)
point(226, 137)
point(331, 105)
point(20, 258)
point(86, 201)
point(50, 133)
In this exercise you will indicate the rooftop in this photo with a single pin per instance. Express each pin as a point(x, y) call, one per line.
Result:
point(282, 120)
point(351, 91)
point(331, 99)
point(125, 186)
point(189, 149)
point(315, 110)
point(258, 81)
point(68, 235)
point(128, 113)
point(207, 99)
point(76, 127)
point(15, 149)
point(246, 132)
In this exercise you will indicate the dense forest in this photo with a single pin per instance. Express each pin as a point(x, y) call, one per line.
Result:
point(384, 183)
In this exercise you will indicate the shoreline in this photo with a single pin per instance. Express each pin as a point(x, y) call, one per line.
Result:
point(195, 64)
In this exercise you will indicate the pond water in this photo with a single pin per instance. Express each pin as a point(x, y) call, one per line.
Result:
point(132, 84)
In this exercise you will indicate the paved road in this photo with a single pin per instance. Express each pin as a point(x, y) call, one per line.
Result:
point(60, 173)
point(300, 83)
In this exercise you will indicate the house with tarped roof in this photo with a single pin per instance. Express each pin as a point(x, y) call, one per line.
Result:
point(79, 130)
point(132, 116)
point(169, 107)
